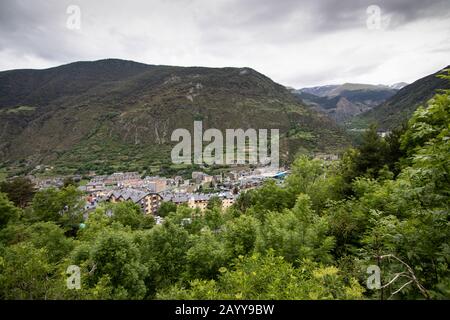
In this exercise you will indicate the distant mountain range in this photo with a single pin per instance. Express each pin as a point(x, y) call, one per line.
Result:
point(398, 109)
point(355, 105)
point(343, 102)
point(120, 114)
point(398, 85)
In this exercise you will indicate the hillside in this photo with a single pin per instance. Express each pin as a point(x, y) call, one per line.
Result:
point(399, 108)
point(114, 113)
point(343, 102)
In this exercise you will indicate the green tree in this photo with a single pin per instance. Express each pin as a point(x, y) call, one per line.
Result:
point(68, 181)
point(130, 214)
point(214, 202)
point(269, 197)
point(244, 201)
point(8, 212)
point(297, 234)
point(49, 236)
point(24, 272)
point(206, 255)
point(19, 190)
point(240, 235)
point(395, 155)
point(372, 152)
point(315, 178)
point(213, 218)
point(114, 260)
point(64, 207)
point(269, 277)
point(166, 208)
point(163, 250)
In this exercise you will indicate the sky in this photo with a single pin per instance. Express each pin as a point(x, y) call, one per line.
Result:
point(296, 43)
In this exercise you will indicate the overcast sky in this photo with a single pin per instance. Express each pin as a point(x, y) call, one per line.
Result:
point(296, 43)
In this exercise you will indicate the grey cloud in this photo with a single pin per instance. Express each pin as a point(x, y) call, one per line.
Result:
point(257, 33)
point(326, 15)
point(38, 28)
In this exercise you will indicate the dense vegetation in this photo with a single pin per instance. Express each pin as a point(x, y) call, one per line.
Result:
point(386, 203)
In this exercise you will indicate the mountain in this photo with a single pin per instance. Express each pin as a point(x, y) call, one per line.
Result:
point(343, 102)
point(320, 91)
point(399, 108)
point(398, 85)
point(120, 114)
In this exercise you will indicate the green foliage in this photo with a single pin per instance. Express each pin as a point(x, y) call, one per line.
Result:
point(371, 156)
point(270, 277)
point(270, 197)
point(19, 190)
point(64, 207)
point(24, 272)
point(214, 202)
point(166, 208)
point(164, 249)
point(116, 262)
point(297, 234)
point(395, 155)
point(315, 178)
point(69, 182)
point(129, 214)
point(213, 218)
point(240, 235)
point(205, 257)
point(49, 236)
point(96, 222)
point(8, 212)
point(347, 223)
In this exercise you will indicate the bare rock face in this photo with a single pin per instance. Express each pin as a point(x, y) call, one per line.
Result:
point(343, 102)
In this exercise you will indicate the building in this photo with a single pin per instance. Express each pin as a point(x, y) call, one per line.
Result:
point(95, 186)
point(197, 177)
point(149, 201)
point(227, 200)
point(199, 201)
point(46, 183)
point(231, 176)
point(326, 157)
point(155, 184)
point(218, 178)
point(178, 180)
point(207, 179)
point(123, 179)
point(383, 133)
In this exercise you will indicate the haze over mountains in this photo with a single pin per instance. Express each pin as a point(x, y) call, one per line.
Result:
point(357, 105)
point(398, 109)
point(87, 115)
point(343, 102)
